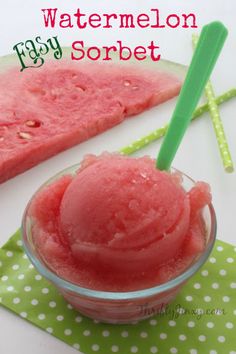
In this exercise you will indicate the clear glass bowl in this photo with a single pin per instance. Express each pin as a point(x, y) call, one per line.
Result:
point(118, 307)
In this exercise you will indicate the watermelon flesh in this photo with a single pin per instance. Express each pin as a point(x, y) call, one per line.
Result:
point(48, 110)
point(119, 224)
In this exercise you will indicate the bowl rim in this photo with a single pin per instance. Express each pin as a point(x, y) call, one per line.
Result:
point(110, 295)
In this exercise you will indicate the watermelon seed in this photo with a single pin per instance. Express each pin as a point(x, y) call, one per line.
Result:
point(127, 83)
point(33, 123)
point(1, 138)
point(24, 135)
point(134, 87)
point(79, 88)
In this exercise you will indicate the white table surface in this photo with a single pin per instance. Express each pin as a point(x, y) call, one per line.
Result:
point(198, 155)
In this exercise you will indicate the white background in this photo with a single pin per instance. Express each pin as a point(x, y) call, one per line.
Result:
point(198, 155)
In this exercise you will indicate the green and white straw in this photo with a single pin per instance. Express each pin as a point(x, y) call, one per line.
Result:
point(217, 122)
point(160, 132)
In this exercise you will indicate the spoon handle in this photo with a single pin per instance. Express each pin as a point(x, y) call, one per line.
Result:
point(208, 49)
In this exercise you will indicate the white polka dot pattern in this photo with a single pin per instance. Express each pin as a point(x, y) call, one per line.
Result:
point(201, 319)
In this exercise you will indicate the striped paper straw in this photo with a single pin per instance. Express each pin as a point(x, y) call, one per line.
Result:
point(217, 123)
point(160, 132)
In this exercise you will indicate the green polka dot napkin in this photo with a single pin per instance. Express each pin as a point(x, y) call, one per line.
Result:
point(201, 320)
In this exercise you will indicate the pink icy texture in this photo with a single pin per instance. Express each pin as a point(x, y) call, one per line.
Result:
point(119, 224)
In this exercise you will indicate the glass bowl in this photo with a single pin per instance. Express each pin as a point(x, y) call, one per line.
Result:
point(118, 307)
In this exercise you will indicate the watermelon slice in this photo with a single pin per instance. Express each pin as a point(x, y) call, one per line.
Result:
point(47, 110)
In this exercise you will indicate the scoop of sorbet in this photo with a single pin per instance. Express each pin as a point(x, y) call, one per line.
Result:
point(123, 214)
point(119, 224)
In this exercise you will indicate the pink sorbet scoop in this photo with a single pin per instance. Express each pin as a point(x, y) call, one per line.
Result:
point(120, 224)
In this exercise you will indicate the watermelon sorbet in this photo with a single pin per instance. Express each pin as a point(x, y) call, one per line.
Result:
point(119, 224)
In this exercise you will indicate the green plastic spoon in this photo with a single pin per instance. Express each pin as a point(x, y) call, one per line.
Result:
point(208, 49)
